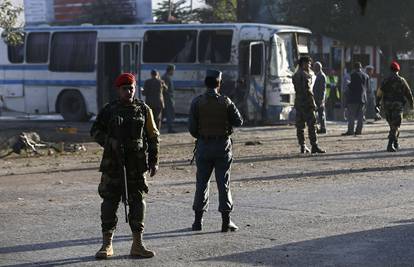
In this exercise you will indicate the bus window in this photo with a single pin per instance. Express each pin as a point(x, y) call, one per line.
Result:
point(290, 49)
point(170, 46)
point(215, 46)
point(15, 53)
point(37, 49)
point(73, 52)
point(256, 64)
point(126, 58)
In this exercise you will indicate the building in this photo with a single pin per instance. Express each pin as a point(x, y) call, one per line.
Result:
point(69, 11)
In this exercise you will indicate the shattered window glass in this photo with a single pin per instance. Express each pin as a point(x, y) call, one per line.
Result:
point(215, 46)
point(170, 46)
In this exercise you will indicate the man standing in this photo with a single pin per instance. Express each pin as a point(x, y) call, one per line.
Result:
point(333, 94)
point(319, 89)
point(154, 96)
point(394, 92)
point(169, 97)
point(305, 106)
point(126, 130)
point(211, 122)
point(356, 98)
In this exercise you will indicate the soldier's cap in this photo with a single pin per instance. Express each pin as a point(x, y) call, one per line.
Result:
point(154, 72)
point(170, 67)
point(125, 79)
point(395, 66)
point(369, 67)
point(216, 74)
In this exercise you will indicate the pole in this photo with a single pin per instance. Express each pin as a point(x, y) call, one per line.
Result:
point(169, 10)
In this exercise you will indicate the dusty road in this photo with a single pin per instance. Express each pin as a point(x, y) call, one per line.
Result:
point(351, 207)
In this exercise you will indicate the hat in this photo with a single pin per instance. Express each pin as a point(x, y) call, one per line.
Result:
point(125, 79)
point(395, 66)
point(214, 74)
point(154, 72)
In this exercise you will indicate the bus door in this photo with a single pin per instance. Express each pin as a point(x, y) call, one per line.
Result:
point(256, 81)
point(131, 53)
point(113, 59)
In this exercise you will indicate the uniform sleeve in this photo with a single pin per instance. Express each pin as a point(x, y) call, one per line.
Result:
point(235, 118)
point(99, 130)
point(145, 87)
point(193, 119)
point(152, 134)
point(407, 93)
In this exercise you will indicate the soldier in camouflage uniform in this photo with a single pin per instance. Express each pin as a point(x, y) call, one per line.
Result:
point(305, 106)
point(211, 122)
point(394, 93)
point(131, 122)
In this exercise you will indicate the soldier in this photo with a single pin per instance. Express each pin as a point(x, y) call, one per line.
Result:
point(393, 93)
point(212, 117)
point(154, 89)
point(131, 122)
point(356, 99)
point(319, 90)
point(305, 106)
point(169, 111)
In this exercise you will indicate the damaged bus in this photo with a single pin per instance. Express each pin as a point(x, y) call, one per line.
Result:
point(71, 69)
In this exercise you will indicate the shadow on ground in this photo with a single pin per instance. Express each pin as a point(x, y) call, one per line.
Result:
point(390, 246)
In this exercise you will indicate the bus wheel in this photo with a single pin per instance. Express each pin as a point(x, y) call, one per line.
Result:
point(72, 106)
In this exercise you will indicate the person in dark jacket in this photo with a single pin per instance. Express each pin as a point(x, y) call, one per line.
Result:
point(356, 99)
point(154, 89)
point(211, 121)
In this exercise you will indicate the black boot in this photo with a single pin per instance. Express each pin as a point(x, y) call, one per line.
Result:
point(228, 225)
point(390, 147)
point(198, 221)
point(396, 144)
point(316, 149)
point(304, 149)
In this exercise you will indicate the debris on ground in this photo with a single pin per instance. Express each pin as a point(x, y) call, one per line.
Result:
point(30, 142)
point(253, 143)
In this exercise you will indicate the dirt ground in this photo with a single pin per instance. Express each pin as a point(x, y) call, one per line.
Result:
point(343, 208)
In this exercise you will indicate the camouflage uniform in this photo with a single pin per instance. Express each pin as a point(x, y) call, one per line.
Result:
point(140, 137)
point(305, 107)
point(394, 92)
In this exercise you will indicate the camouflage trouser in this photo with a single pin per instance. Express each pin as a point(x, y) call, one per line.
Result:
point(111, 190)
point(213, 155)
point(308, 118)
point(394, 115)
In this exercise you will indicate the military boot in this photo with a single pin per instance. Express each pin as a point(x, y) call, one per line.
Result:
point(106, 249)
point(138, 249)
point(396, 144)
point(228, 225)
point(198, 221)
point(316, 149)
point(390, 147)
point(304, 149)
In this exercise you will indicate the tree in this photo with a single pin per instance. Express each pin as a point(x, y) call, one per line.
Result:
point(385, 23)
point(12, 32)
point(180, 12)
point(217, 11)
point(106, 12)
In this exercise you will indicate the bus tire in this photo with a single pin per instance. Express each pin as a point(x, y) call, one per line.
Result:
point(72, 106)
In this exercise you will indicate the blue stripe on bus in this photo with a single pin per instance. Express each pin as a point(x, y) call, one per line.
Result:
point(24, 67)
point(190, 67)
point(51, 82)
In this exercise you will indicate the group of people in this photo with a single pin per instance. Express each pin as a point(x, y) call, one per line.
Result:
point(135, 125)
point(159, 96)
point(130, 123)
point(392, 95)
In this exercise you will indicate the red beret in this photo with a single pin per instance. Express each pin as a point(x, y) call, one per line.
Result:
point(395, 66)
point(124, 79)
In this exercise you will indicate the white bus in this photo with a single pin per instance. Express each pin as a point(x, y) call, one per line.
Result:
point(71, 69)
